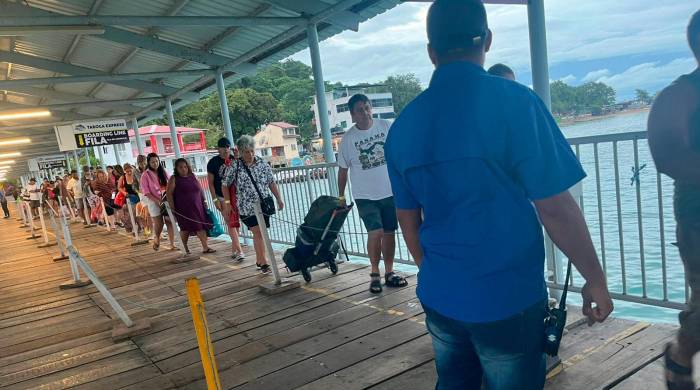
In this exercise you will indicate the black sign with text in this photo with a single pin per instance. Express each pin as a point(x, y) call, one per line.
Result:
point(101, 138)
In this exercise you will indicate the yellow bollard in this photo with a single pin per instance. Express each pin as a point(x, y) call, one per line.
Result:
point(206, 349)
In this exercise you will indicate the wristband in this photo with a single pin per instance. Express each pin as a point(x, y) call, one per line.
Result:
point(227, 201)
point(216, 200)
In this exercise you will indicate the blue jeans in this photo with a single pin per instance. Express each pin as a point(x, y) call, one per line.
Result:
point(505, 354)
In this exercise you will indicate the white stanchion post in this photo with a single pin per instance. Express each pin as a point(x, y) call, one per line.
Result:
point(59, 237)
point(105, 216)
point(88, 221)
point(73, 260)
point(278, 285)
point(176, 232)
point(31, 223)
point(23, 211)
point(20, 213)
point(44, 231)
point(134, 226)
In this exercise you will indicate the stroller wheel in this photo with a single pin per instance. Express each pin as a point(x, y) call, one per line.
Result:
point(333, 267)
point(306, 274)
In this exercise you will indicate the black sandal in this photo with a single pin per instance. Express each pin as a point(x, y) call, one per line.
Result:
point(375, 286)
point(677, 377)
point(393, 280)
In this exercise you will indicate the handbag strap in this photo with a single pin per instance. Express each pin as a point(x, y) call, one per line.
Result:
point(253, 180)
point(562, 302)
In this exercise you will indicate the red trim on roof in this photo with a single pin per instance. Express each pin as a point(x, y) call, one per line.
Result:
point(157, 129)
point(283, 125)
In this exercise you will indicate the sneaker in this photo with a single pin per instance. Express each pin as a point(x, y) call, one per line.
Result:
point(238, 257)
point(265, 269)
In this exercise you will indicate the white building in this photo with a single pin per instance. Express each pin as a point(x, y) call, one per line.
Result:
point(339, 114)
point(277, 143)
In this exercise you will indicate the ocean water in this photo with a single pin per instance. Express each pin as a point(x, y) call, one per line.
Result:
point(637, 239)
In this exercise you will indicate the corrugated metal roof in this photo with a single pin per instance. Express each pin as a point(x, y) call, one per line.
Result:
point(98, 55)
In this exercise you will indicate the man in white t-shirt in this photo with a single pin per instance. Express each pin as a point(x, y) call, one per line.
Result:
point(361, 154)
point(75, 190)
point(34, 197)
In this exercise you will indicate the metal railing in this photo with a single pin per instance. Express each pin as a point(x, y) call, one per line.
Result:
point(626, 202)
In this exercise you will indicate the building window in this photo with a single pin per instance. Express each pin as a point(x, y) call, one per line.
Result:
point(382, 102)
point(342, 107)
point(148, 143)
point(344, 124)
point(294, 146)
point(291, 131)
point(375, 116)
point(387, 115)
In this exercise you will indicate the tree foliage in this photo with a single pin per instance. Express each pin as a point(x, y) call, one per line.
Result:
point(404, 88)
point(643, 96)
point(587, 98)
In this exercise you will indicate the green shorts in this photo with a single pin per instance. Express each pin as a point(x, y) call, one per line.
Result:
point(378, 214)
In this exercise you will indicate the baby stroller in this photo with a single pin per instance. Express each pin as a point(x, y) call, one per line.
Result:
point(317, 239)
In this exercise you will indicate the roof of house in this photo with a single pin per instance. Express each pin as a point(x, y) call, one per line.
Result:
point(283, 125)
point(157, 129)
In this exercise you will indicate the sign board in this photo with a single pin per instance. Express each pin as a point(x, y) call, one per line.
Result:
point(89, 134)
point(47, 162)
point(100, 133)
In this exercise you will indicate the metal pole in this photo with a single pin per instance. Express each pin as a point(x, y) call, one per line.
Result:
point(176, 230)
point(43, 228)
point(139, 142)
point(116, 154)
point(268, 244)
point(88, 161)
point(173, 130)
point(538, 50)
point(104, 215)
point(312, 36)
point(221, 88)
point(88, 220)
point(31, 223)
point(102, 158)
point(69, 243)
point(59, 239)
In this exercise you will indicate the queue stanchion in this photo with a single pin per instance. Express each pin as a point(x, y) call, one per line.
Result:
point(23, 211)
point(86, 214)
point(105, 217)
point(75, 281)
point(59, 237)
point(31, 227)
point(134, 226)
point(20, 213)
point(73, 215)
point(184, 257)
point(278, 285)
point(44, 231)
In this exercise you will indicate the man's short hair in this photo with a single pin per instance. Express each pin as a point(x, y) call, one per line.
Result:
point(694, 34)
point(457, 26)
point(223, 143)
point(73, 171)
point(357, 98)
point(501, 70)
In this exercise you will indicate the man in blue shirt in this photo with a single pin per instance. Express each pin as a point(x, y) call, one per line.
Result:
point(467, 159)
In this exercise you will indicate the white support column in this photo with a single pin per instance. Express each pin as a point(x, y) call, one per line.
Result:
point(278, 285)
point(538, 50)
point(137, 135)
point(116, 154)
point(319, 84)
point(102, 158)
point(173, 130)
point(221, 89)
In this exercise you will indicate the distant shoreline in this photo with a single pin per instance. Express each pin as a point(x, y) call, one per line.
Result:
point(590, 118)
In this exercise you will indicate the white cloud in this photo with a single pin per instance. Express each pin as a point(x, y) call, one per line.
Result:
point(394, 42)
point(595, 75)
point(650, 76)
point(568, 79)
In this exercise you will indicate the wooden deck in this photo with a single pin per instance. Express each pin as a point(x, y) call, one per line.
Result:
point(330, 334)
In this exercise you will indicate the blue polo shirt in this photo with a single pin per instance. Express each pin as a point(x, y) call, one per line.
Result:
point(473, 151)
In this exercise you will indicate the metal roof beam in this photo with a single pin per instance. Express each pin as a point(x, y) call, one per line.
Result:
point(62, 67)
point(150, 21)
point(7, 106)
point(244, 58)
point(63, 97)
point(342, 18)
point(97, 103)
point(4, 84)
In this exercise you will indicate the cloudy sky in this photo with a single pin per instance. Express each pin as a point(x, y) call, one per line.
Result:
point(627, 44)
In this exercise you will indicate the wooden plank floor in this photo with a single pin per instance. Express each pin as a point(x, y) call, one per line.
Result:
point(330, 334)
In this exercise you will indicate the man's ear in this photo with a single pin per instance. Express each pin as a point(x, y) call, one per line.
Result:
point(489, 40)
point(432, 54)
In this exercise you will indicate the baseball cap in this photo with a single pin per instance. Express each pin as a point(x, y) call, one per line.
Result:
point(456, 24)
point(223, 143)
